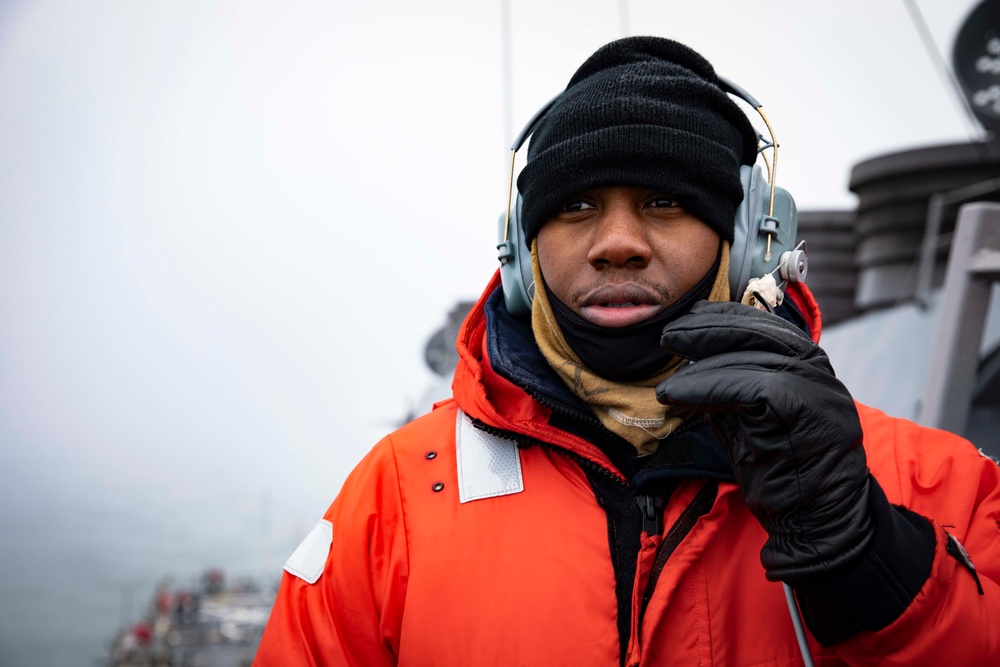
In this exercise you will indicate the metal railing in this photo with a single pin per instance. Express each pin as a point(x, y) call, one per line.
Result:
point(973, 267)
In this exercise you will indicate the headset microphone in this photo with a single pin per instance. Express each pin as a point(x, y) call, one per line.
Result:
point(765, 226)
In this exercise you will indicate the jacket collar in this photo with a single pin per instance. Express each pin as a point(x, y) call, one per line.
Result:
point(503, 380)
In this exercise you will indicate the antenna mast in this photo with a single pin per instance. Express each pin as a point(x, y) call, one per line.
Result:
point(973, 126)
point(506, 51)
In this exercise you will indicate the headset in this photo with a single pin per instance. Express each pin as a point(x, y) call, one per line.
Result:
point(765, 227)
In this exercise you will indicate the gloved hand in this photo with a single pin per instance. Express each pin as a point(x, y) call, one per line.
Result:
point(791, 428)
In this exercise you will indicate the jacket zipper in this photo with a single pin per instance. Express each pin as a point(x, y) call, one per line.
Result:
point(650, 506)
point(698, 507)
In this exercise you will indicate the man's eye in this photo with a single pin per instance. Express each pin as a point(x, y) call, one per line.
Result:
point(664, 202)
point(574, 206)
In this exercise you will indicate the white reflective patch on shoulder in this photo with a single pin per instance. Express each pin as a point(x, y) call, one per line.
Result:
point(309, 559)
point(488, 466)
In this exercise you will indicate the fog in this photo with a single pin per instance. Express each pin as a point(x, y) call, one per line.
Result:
point(227, 230)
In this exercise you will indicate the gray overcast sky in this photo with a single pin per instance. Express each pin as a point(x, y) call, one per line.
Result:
point(228, 228)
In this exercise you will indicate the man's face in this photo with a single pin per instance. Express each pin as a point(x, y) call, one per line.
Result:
point(620, 255)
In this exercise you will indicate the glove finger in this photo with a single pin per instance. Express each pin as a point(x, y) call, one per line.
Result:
point(712, 328)
point(772, 390)
point(738, 382)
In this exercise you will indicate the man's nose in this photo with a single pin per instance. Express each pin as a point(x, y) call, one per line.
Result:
point(620, 240)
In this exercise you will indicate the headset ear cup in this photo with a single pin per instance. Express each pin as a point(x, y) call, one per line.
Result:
point(515, 264)
point(745, 229)
point(750, 255)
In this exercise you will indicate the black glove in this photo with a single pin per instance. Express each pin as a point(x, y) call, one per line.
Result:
point(791, 428)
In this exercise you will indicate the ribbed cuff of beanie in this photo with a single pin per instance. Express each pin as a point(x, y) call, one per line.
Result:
point(702, 174)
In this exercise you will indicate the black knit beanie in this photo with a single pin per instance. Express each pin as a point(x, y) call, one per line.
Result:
point(645, 112)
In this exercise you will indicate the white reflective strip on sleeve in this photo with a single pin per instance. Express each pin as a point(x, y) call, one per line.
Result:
point(309, 559)
point(488, 466)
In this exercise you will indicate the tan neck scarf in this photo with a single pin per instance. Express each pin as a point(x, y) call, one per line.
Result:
point(630, 409)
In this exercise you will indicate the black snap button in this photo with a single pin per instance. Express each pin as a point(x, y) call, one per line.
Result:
point(438, 486)
point(432, 455)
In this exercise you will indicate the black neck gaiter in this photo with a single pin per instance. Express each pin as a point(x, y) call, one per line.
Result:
point(626, 354)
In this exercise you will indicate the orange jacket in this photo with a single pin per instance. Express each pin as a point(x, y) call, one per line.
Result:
point(449, 544)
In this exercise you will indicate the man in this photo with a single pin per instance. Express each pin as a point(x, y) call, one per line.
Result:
point(625, 477)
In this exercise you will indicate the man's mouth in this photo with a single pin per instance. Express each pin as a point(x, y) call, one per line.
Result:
point(619, 305)
point(621, 295)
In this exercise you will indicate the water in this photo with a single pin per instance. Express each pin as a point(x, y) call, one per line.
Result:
point(78, 561)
